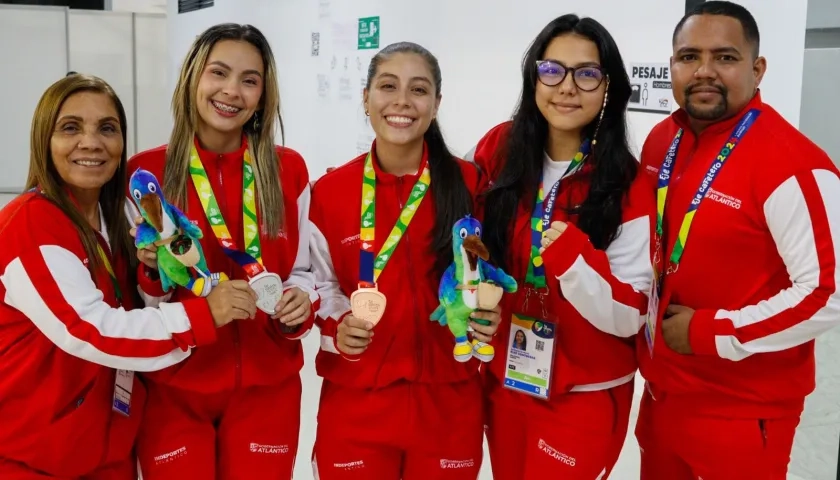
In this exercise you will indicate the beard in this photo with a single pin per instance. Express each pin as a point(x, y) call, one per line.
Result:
point(707, 112)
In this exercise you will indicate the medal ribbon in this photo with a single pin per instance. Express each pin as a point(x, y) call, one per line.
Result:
point(665, 173)
point(541, 218)
point(251, 258)
point(371, 267)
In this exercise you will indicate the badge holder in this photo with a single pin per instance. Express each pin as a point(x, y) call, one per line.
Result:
point(123, 384)
point(531, 349)
point(368, 304)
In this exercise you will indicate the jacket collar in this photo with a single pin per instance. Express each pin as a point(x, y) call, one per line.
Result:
point(385, 177)
point(725, 126)
point(235, 155)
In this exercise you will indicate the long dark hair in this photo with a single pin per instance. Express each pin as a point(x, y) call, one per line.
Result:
point(599, 216)
point(44, 175)
point(451, 196)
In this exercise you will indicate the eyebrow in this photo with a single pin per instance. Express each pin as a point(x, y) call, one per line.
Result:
point(579, 65)
point(227, 67)
point(391, 75)
point(77, 118)
point(720, 50)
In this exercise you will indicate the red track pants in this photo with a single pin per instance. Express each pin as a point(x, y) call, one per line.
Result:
point(677, 445)
point(244, 434)
point(126, 470)
point(579, 438)
point(405, 431)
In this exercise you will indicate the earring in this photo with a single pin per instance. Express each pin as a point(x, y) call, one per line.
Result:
point(256, 122)
point(601, 116)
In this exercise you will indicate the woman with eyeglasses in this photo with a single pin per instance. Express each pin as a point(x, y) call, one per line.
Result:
point(572, 222)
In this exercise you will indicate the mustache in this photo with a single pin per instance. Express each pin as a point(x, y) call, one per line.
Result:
point(691, 88)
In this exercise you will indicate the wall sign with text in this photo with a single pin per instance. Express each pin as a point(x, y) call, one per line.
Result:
point(651, 88)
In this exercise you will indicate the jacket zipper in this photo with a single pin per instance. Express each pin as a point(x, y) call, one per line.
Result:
point(418, 354)
point(237, 351)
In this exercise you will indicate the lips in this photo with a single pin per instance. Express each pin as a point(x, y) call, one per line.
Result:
point(475, 249)
point(89, 162)
point(399, 120)
point(150, 203)
point(224, 108)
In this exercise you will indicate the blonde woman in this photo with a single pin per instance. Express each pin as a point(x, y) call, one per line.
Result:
point(233, 410)
point(70, 335)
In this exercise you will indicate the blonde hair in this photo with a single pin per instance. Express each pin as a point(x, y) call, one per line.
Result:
point(44, 175)
point(261, 145)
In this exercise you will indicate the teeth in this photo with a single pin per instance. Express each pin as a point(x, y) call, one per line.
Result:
point(226, 108)
point(395, 119)
point(88, 163)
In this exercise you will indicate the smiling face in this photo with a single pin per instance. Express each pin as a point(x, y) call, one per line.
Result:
point(230, 88)
point(402, 100)
point(87, 143)
point(566, 106)
point(714, 72)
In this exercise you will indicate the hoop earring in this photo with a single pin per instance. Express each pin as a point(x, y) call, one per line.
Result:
point(601, 116)
point(256, 122)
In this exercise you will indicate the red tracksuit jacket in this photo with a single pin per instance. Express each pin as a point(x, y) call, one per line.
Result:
point(62, 335)
point(760, 266)
point(406, 345)
point(599, 297)
point(253, 352)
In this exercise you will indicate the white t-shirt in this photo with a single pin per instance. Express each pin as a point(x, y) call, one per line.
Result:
point(552, 171)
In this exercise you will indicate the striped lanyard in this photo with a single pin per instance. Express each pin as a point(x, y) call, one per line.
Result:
point(251, 258)
point(541, 218)
point(665, 174)
point(371, 267)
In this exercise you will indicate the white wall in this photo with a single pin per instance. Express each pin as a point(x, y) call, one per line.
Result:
point(327, 131)
point(493, 46)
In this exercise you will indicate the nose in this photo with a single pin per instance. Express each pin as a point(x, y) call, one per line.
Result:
point(90, 139)
point(231, 87)
point(706, 69)
point(567, 86)
point(401, 98)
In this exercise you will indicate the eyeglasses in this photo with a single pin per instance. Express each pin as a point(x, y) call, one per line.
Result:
point(552, 73)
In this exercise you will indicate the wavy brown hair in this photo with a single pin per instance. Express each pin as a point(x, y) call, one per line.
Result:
point(269, 193)
point(44, 175)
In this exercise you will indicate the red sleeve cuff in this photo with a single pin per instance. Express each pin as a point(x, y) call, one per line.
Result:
point(149, 285)
point(561, 254)
point(201, 320)
point(701, 333)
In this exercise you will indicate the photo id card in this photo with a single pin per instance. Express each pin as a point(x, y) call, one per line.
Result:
point(530, 355)
point(122, 392)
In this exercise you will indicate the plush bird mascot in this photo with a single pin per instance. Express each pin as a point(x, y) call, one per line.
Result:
point(179, 255)
point(469, 284)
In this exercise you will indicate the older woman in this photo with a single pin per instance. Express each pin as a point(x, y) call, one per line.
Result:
point(69, 336)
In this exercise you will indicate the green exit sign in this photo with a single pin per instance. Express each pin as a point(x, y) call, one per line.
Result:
point(368, 33)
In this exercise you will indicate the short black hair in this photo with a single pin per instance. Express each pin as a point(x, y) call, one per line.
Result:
point(727, 9)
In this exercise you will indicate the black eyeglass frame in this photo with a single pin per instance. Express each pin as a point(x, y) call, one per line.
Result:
point(572, 70)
